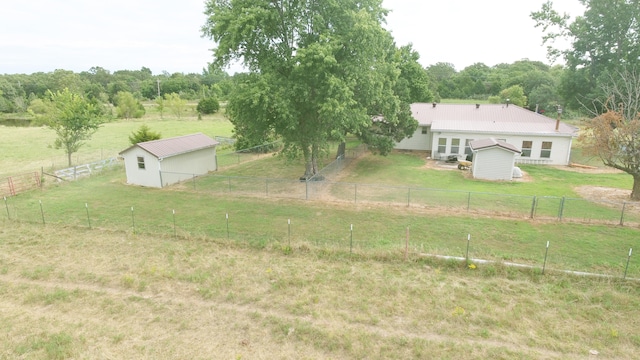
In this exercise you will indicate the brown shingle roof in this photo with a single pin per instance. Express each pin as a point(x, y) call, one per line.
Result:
point(164, 148)
point(487, 118)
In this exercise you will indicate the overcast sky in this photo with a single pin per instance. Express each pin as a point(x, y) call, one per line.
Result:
point(164, 35)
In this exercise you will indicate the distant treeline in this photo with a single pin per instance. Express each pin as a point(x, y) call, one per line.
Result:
point(535, 84)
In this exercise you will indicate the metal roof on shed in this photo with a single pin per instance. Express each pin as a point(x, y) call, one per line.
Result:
point(164, 148)
point(487, 118)
point(491, 142)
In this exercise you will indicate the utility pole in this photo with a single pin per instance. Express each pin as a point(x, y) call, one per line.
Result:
point(158, 82)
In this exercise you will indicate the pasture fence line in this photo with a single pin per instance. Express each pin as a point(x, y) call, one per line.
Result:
point(189, 221)
point(625, 213)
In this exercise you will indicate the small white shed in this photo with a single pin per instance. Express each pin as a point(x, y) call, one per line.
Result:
point(164, 162)
point(493, 159)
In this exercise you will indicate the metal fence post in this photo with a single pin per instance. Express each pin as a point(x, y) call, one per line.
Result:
point(533, 207)
point(624, 205)
point(41, 211)
point(409, 197)
point(469, 201)
point(561, 209)
point(7, 207)
point(86, 206)
point(355, 193)
point(627, 267)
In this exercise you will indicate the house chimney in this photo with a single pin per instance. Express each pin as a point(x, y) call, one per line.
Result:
point(477, 106)
point(558, 119)
point(434, 105)
point(507, 102)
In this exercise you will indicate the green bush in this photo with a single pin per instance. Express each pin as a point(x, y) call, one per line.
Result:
point(208, 105)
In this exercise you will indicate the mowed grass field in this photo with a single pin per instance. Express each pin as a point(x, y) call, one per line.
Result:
point(189, 286)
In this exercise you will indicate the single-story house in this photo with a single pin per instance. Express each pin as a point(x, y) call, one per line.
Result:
point(493, 159)
point(448, 129)
point(164, 162)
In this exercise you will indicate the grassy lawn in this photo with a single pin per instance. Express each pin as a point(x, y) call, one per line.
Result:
point(409, 169)
point(30, 147)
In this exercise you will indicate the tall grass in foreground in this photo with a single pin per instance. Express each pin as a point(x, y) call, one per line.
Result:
point(71, 292)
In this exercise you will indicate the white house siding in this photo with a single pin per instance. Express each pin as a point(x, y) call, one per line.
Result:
point(418, 141)
point(185, 166)
point(560, 149)
point(493, 164)
point(149, 176)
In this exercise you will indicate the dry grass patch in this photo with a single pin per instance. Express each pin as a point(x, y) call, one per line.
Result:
point(90, 294)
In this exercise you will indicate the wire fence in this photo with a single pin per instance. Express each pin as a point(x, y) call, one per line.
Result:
point(414, 236)
point(191, 219)
point(447, 201)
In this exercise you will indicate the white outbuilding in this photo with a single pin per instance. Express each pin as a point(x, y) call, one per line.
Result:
point(164, 162)
point(493, 159)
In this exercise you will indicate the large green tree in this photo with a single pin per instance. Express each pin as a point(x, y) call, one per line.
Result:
point(603, 40)
point(319, 69)
point(74, 119)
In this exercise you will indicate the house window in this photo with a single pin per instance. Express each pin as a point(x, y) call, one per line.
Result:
point(455, 146)
point(467, 147)
point(424, 130)
point(526, 148)
point(442, 145)
point(140, 162)
point(546, 149)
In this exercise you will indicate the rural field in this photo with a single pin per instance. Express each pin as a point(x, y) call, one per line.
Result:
point(99, 269)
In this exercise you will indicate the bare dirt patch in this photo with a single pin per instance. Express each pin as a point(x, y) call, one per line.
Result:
point(601, 193)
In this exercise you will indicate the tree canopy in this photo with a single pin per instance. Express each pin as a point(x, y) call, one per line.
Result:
point(74, 119)
point(603, 40)
point(318, 71)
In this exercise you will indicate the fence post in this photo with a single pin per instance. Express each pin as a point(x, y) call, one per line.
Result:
point(351, 241)
point(289, 231)
point(86, 206)
point(624, 205)
point(7, 207)
point(266, 187)
point(175, 233)
point(468, 241)
point(627, 267)
point(306, 189)
point(546, 252)
point(533, 207)
point(41, 212)
point(194, 181)
point(469, 201)
point(409, 197)
point(227, 219)
point(355, 193)
point(229, 184)
point(561, 209)
point(133, 221)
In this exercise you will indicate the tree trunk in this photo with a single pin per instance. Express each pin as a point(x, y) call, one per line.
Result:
point(341, 150)
point(308, 164)
point(69, 158)
point(314, 158)
point(635, 193)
